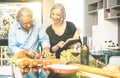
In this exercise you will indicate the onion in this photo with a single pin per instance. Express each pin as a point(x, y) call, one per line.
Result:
point(25, 70)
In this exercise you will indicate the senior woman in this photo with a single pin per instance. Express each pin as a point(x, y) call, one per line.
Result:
point(60, 30)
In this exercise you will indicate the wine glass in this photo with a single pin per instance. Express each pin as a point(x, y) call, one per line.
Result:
point(97, 53)
point(75, 51)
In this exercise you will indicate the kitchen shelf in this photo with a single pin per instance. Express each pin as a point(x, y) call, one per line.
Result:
point(112, 3)
point(112, 12)
point(100, 11)
point(112, 9)
point(100, 4)
point(94, 5)
point(116, 6)
point(114, 17)
point(94, 11)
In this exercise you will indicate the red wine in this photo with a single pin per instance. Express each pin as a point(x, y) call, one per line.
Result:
point(97, 56)
point(75, 54)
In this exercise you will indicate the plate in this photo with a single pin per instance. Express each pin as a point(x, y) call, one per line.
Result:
point(114, 48)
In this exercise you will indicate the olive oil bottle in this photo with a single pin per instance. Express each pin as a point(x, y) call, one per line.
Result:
point(84, 54)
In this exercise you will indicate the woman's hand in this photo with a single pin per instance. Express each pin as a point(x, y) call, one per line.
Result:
point(57, 46)
point(61, 43)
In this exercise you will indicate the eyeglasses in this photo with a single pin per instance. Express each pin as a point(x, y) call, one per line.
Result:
point(28, 24)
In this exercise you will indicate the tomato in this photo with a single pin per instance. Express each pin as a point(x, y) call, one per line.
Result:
point(25, 70)
point(39, 67)
point(42, 65)
point(40, 62)
point(23, 54)
point(26, 62)
point(34, 63)
point(47, 63)
point(34, 69)
point(37, 55)
point(47, 71)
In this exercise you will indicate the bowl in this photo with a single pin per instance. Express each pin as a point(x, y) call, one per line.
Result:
point(61, 69)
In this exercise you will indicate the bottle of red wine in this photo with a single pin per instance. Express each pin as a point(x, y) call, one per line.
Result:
point(84, 54)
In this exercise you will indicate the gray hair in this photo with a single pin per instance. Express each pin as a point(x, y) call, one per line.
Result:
point(23, 12)
point(62, 9)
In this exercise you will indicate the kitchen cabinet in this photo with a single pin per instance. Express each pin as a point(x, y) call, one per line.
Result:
point(94, 5)
point(110, 53)
point(98, 25)
point(112, 9)
point(92, 9)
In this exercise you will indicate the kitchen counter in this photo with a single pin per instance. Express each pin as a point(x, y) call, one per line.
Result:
point(91, 71)
point(109, 53)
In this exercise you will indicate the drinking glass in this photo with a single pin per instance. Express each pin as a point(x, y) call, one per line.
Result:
point(97, 53)
point(75, 51)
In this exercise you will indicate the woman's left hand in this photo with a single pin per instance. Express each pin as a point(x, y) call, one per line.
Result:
point(61, 43)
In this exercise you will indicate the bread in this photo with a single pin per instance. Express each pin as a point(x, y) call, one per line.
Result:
point(98, 71)
point(112, 67)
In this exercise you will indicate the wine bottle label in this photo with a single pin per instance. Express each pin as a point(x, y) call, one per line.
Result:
point(85, 55)
point(85, 59)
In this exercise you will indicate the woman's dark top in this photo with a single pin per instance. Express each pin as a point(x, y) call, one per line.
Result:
point(54, 38)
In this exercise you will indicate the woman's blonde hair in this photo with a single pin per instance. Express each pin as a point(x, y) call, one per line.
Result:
point(62, 9)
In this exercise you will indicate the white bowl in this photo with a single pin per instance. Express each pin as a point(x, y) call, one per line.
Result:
point(62, 69)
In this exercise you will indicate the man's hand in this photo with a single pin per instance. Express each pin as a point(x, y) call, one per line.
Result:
point(31, 53)
point(46, 52)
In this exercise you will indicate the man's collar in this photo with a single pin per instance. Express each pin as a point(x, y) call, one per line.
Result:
point(18, 25)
